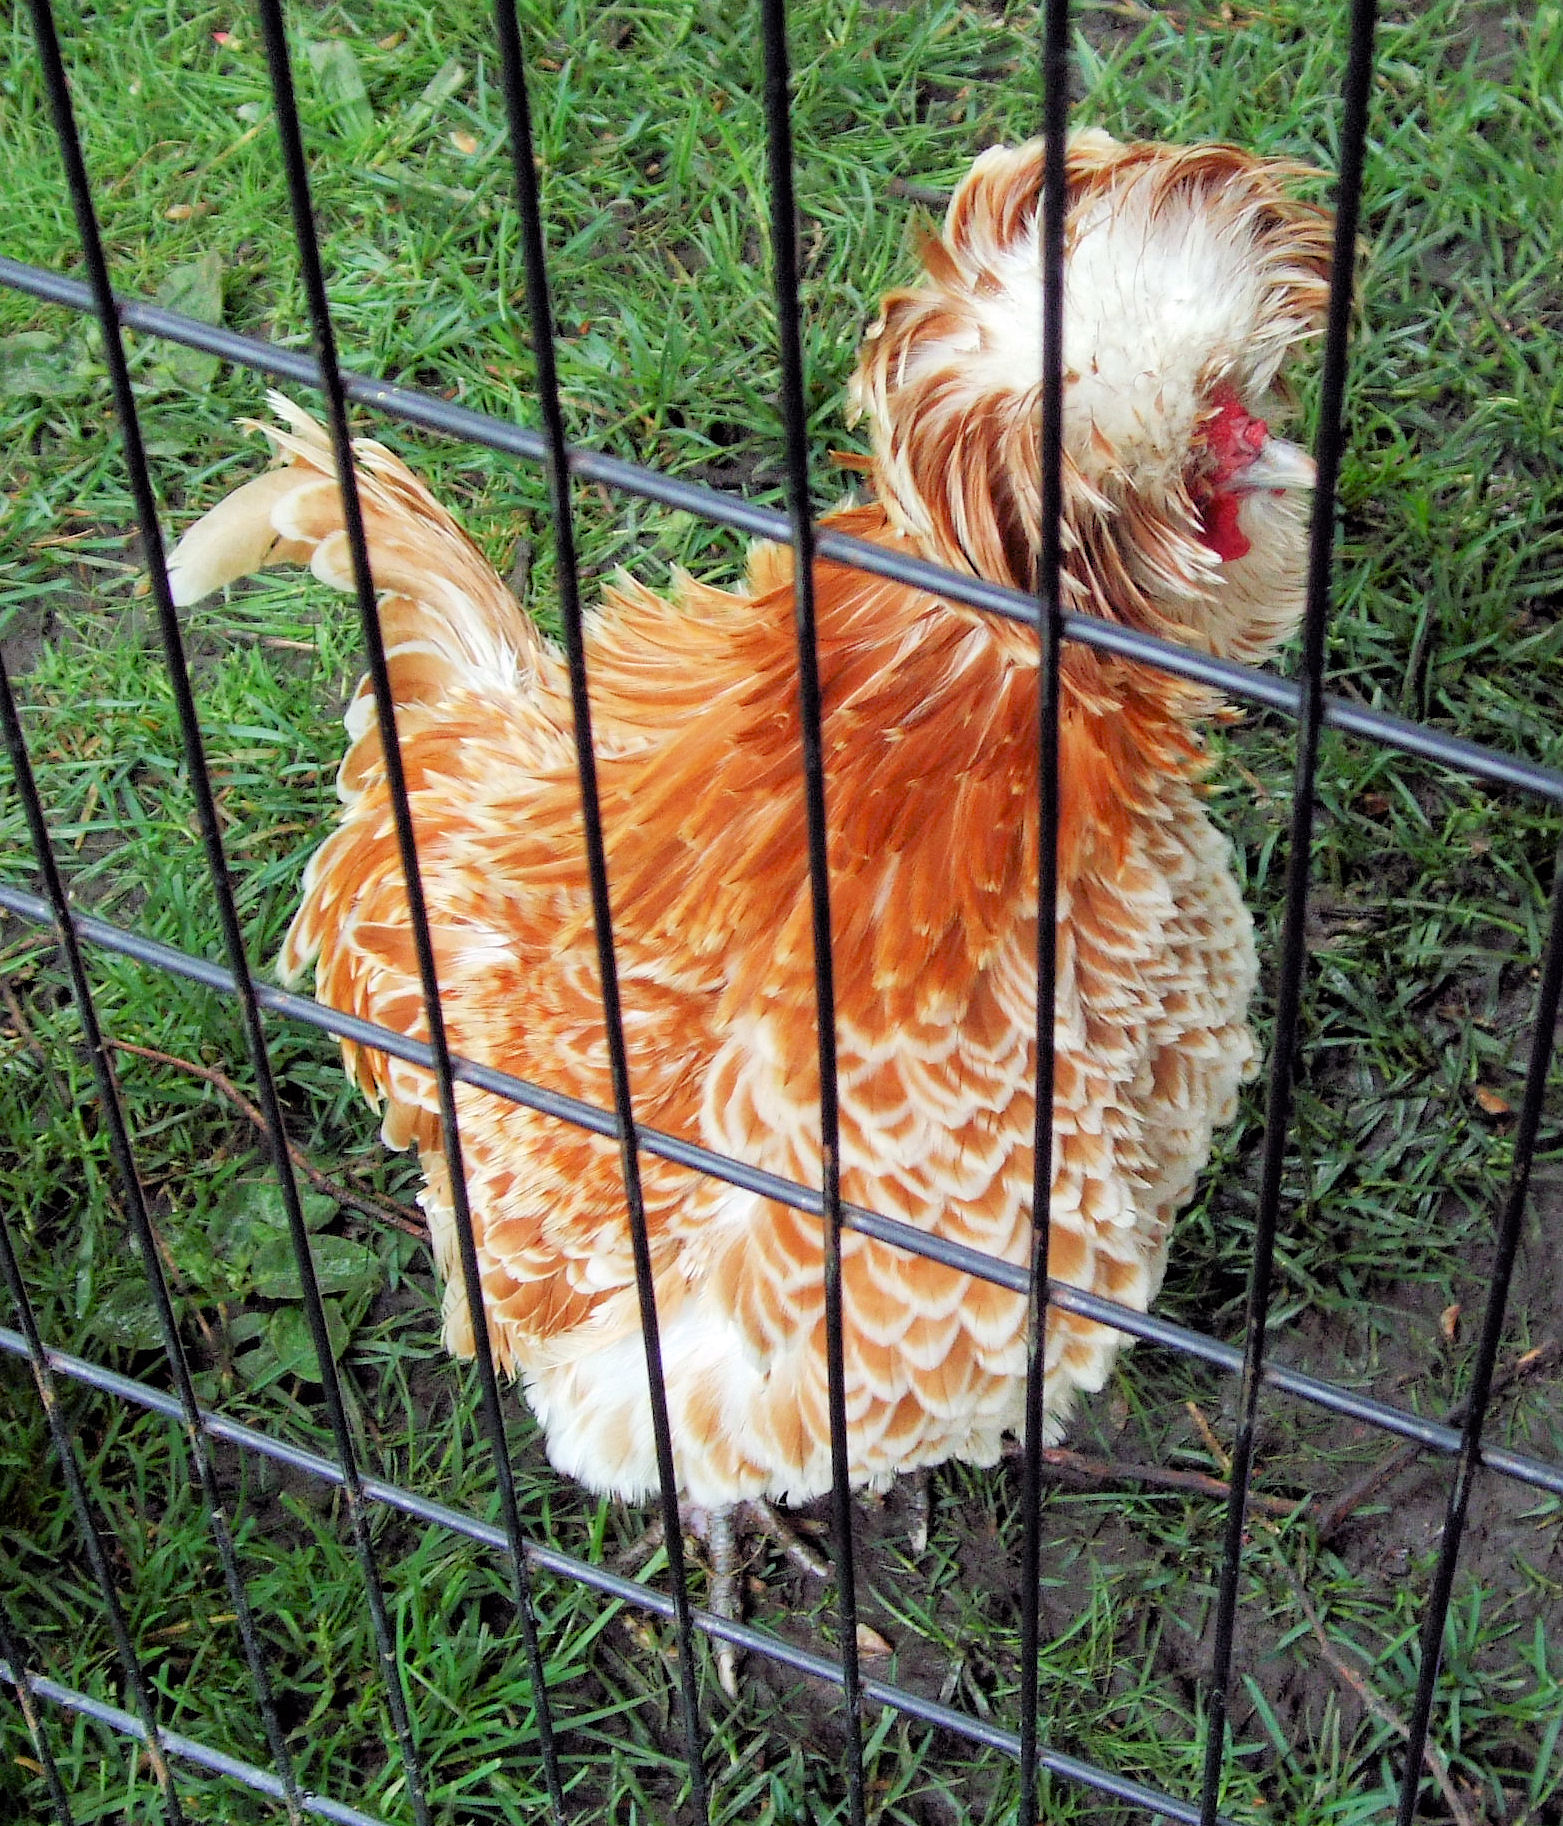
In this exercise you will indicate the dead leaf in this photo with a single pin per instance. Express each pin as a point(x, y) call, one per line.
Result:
point(870, 1644)
point(465, 143)
point(1490, 1101)
point(1449, 1322)
point(390, 41)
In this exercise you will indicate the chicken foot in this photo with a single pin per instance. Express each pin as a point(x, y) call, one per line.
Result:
point(722, 1530)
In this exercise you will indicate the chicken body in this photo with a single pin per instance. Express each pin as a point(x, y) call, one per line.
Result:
point(1191, 275)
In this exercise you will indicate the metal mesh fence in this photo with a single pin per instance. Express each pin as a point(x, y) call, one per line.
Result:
point(1305, 700)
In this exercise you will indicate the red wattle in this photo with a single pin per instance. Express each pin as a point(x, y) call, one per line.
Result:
point(1219, 527)
point(1232, 438)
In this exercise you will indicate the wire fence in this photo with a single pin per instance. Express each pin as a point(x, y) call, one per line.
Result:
point(1304, 700)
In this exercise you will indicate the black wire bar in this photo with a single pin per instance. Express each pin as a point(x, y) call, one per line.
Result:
point(16, 1676)
point(97, 1559)
point(1329, 444)
point(313, 275)
point(1148, 1327)
point(1247, 684)
point(146, 1244)
point(540, 310)
point(175, 1743)
point(1436, 1606)
point(211, 836)
point(784, 259)
point(613, 1585)
point(1051, 210)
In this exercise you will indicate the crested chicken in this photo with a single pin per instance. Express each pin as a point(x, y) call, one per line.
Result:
point(1192, 274)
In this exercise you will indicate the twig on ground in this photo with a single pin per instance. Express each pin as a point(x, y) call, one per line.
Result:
point(1207, 1433)
point(1163, 1477)
point(925, 194)
point(1370, 1697)
point(1112, 1471)
point(30, 1041)
point(382, 1210)
point(1352, 1498)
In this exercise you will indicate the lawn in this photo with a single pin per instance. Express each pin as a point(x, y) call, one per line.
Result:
point(1426, 922)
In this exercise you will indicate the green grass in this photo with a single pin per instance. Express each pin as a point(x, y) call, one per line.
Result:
point(1429, 897)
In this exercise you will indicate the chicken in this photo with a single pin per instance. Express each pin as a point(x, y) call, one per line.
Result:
point(1192, 275)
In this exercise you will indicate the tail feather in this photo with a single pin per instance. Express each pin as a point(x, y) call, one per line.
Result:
point(450, 627)
point(442, 599)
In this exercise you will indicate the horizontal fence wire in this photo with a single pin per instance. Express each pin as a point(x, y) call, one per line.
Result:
point(176, 1743)
point(1150, 1328)
point(746, 1636)
point(1305, 701)
point(1252, 685)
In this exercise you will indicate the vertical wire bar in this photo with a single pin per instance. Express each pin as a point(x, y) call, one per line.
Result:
point(10, 1654)
point(540, 311)
point(141, 1227)
point(417, 908)
point(43, 1377)
point(1468, 1462)
point(1329, 444)
point(211, 836)
point(784, 256)
point(1055, 103)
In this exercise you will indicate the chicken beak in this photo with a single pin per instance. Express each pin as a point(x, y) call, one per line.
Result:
point(1277, 464)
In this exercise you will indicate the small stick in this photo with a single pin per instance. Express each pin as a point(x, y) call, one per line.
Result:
point(171, 1268)
point(31, 1042)
point(382, 1210)
point(641, 1548)
point(1374, 1701)
point(1161, 1476)
point(1212, 1445)
point(925, 194)
point(1355, 1495)
point(1108, 1471)
point(521, 569)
